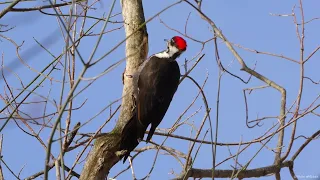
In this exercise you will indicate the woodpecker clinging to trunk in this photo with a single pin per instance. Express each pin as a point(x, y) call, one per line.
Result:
point(155, 83)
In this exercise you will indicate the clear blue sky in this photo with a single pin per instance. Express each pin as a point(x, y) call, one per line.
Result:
point(248, 23)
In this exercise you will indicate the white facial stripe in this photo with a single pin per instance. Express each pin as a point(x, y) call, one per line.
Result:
point(169, 53)
point(173, 50)
point(163, 54)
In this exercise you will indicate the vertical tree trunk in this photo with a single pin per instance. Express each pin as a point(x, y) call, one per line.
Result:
point(102, 157)
point(136, 51)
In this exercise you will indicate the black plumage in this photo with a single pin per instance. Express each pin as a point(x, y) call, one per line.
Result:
point(155, 85)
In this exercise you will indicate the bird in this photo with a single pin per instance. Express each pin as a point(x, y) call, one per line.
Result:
point(154, 85)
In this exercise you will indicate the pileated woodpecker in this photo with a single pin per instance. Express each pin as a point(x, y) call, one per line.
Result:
point(155, 83)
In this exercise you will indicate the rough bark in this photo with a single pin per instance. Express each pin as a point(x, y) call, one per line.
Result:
point(103, 155)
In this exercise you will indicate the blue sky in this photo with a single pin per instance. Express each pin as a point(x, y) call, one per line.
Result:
point(247, 23)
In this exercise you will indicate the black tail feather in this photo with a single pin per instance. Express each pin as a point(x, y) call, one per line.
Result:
point(151, 132)
point(131, 133)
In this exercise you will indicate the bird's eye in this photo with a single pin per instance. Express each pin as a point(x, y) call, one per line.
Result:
point(172, 42)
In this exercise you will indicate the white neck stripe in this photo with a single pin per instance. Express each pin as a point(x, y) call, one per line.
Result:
point(168, 53)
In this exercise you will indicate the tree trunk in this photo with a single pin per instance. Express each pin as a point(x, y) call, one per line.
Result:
point(103, 155)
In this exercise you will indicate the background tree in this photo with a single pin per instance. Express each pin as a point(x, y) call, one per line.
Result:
point(247, 105)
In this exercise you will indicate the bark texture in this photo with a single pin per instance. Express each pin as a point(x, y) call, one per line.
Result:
point(103, 155)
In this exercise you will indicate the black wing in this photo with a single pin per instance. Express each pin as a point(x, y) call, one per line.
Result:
point(158, 81)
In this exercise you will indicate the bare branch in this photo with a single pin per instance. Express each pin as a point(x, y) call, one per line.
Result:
point(7, 9)
point(43, 7)
point(249, 173)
